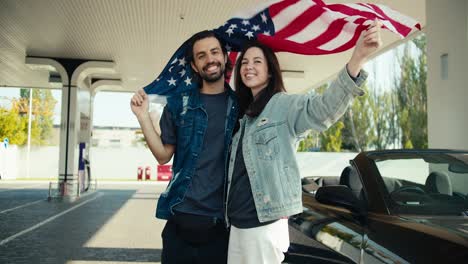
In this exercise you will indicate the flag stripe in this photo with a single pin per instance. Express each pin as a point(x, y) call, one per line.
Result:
point(401, 28)
point(373, 11)
point(362, 10)
point(331, 36)
point(287, 15)
point(350, 44)
point(303, 24)
point(400, 18)
point(355, 10)
point(233, 58)
point(343, 37)
point(310, 48)
point(388, 23)
point(278, 44)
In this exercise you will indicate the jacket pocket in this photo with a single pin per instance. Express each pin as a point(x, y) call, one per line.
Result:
point(266, 143)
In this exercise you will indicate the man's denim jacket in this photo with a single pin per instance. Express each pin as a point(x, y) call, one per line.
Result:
point(269, 143)
point(191, 120)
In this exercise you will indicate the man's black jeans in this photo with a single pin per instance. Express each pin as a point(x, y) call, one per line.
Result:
point(195, 240)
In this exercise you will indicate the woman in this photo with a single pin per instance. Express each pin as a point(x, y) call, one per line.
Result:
point(264, 185)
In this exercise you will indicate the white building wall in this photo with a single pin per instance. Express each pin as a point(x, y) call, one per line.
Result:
point(113, 137)
point(447, 33)
point(121, 163)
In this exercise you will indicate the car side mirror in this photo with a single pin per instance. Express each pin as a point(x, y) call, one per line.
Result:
point(342, 196)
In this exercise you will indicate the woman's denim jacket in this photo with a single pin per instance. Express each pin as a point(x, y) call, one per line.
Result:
point(269, 143)
point(190, 117)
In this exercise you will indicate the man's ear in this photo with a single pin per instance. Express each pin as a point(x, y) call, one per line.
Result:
point(193, 67)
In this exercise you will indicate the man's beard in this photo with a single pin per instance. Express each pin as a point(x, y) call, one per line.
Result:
point(212, 78)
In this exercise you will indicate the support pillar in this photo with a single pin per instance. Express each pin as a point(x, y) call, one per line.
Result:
point(76, 122)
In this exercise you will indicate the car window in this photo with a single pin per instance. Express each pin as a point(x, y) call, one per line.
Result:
point(435, 184)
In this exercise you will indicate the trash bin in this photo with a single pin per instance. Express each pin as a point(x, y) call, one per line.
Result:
point(148, 173)
point(140, 173)
point(164, 172)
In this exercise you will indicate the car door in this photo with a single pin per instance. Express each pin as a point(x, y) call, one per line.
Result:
point(324, 233)
point(377, 242)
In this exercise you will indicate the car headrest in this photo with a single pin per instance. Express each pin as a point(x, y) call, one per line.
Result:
point(350, 178)
point(438, 182)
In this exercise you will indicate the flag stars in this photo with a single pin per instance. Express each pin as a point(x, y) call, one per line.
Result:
point(249, 34)
point(230, 31)
point(228, 48)
point(264, 18)
point(245, 22)
point(233, 26)
point(266, 32)
point(188, 81)
point(182, 72)
point(182, 62)
point(174, 61)
point(255, 28)
point(172, 82)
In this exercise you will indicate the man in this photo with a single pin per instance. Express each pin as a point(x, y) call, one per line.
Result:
point(196, 127)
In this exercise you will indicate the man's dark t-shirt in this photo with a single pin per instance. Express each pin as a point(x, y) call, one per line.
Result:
point(205, 193)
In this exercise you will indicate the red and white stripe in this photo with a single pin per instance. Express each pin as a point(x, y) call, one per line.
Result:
point(314, 28)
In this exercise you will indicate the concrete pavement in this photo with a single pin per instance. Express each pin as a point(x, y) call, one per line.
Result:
point(115, 224)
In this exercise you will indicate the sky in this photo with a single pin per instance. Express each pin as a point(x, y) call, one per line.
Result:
point(113, 109)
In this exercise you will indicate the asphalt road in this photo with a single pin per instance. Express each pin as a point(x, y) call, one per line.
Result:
point(114, 224)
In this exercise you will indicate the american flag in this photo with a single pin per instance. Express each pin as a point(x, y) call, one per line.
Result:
point(308, 27)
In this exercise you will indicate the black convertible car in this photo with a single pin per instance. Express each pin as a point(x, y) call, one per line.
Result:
point(397, 206)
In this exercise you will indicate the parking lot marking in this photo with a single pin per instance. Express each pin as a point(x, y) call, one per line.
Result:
point(8, 239)
point(21, 206)
point(21, 188)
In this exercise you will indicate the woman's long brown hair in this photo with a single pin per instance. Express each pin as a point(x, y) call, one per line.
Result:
point(247, 104)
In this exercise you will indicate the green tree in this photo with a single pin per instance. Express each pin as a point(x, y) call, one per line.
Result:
point(309, 142)
point(331, 139)
point(328, 140)
point(384, 119)
point(411, 93)
point(358, 130)
point(12, 126)
point(43, 105)
point(381, 120)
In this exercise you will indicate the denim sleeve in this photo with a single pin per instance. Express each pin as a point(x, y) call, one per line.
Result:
point(319, 112)
point(168, 128)
point(359, 79)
